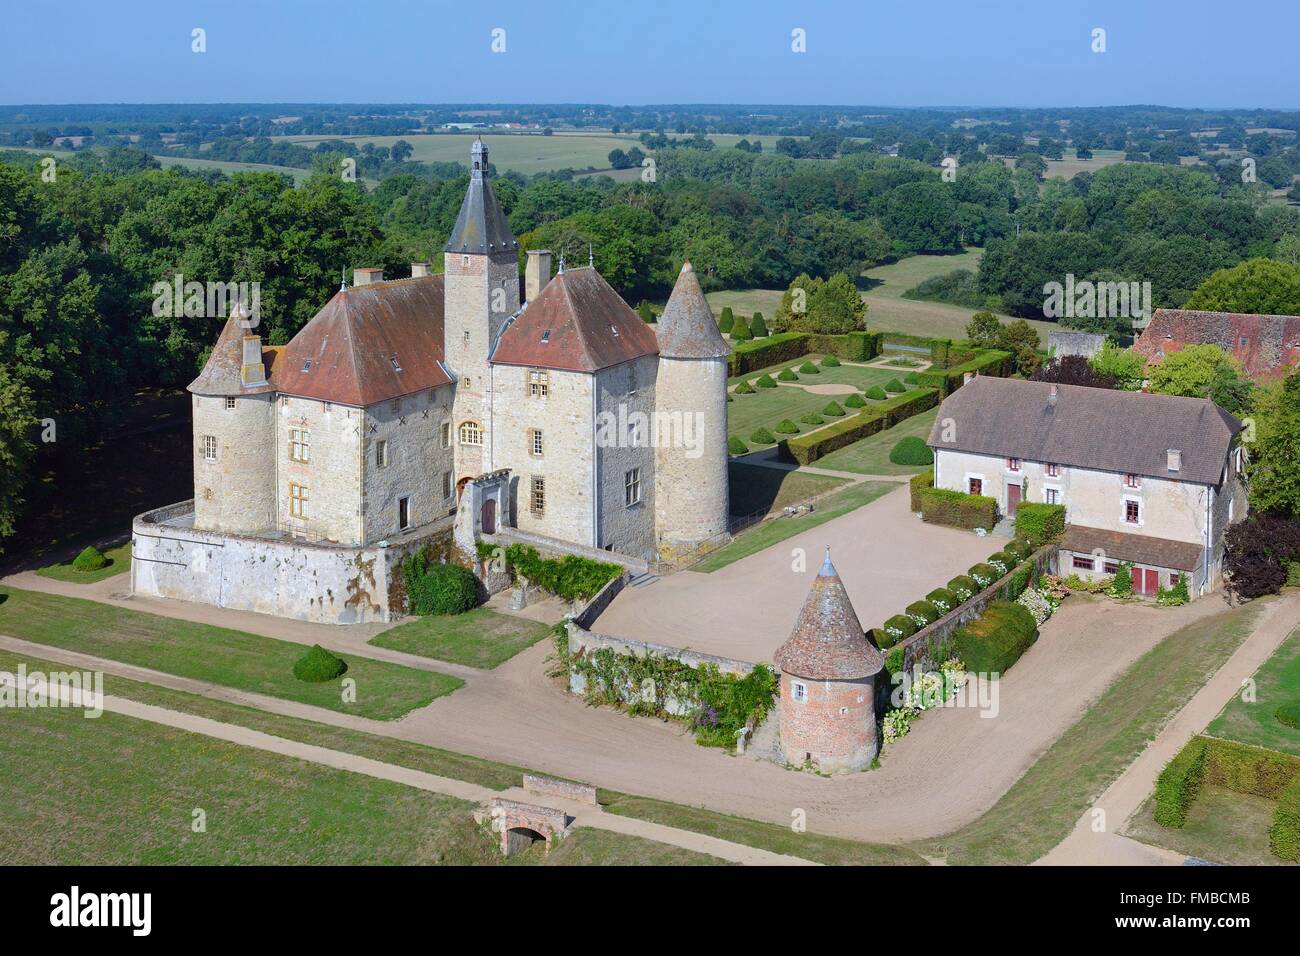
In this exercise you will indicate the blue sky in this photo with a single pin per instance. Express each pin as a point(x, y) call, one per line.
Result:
point(870, 52)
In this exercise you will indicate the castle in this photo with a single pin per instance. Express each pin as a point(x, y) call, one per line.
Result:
point(548, 399)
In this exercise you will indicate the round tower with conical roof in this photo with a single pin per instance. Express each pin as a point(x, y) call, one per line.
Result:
point(829, 670)
point(691, 501)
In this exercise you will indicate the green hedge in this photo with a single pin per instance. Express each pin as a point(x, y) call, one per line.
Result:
point(995, 640)
point(1179, 783)
point(918, 484)
point(855, 401)
point(571, 577)
point(983, 574)
point(744, 388)
point(318, 666)
point(911, 450)
point(877, 393)
point(901, 623)
point(772, 350)
point(944, 600)
point(1253, 770)
point(1039, 523)
point(858, 346)
point(90, 559)
point(761, 436)
point(787, 375)
point(805, 449)
point(765, 381)
point(433, 588)
point(833, 409)
point(991, 362)
point(736, 445)
point(1284, 834)
point(964, 584)
point(924, 610)
point(957, 509)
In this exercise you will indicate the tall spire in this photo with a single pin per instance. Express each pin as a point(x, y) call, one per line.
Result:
point(481, 226)
point(687, 329)
point(828, 642)
point(591, 258)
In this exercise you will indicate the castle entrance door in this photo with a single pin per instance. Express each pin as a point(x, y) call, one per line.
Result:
point(490, 516)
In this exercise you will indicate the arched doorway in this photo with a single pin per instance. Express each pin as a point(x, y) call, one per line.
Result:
point(489, 516)
point(520, 839)
point(460, 487)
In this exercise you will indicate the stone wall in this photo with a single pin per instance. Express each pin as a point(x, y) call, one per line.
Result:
point(416, 462)
point(332, 474)
point(237, 491)
point(691, 493)
point(626, 393)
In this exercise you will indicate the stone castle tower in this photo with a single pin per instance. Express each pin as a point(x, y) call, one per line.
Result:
point(691, 500)
point(482, 293)
point(828, 682)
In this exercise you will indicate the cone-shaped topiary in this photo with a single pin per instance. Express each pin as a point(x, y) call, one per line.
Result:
point(830, 361)
point(736, 445)
point(877, 393)
point(812, 419)
point(740, 331)
point(855, 401)
point(762, 436)
point(319, 665)
point(808, 368)
point(833, 410)
point(744, 388)
point(787, 427)
point(757, 326)
point(787, 375)
point(911, 378)
point(726, 320)
point(911, 450)
point(90, 559)
point(765, 381)
point(894, 385)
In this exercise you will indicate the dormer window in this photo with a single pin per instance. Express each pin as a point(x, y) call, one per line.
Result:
point(614, 329)
point(393, 359)
point(546, 336)
point(306, 366)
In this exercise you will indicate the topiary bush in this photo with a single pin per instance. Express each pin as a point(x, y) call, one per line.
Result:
point(855, 401)
point(761, 436)
point(808, 368)
point(897, 628)
point(964, 587)
point(744, 388)
point(812, 419)
point(1019, 549)
point(995, 640)
point(787, 375)
point(765, 381)
point(757, 326)
point(736, 445)
point(830, 361)
point(1179, 783)
point(726, 320)
point(895, 386)
point(922, 612)
point(740, 331)
point(911, 450)
point(833, 409)
point(90, 559)
point(911, 378)
point(787, 427)
point(438, 588)
point(318, 666)
point(1288, 714)
point(1039, 523)
point(983, 574)
point(944, 600)
point(877, 393)
point(1002, 562)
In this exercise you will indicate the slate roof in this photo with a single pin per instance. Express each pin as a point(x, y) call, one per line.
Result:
point(1138, 548)
point(1096, 428)
point(687, 329)
point(1272, 342)
point(481, 225)
point(221, 374)
point(369, 344)
point(578, 323)
point(828, 642)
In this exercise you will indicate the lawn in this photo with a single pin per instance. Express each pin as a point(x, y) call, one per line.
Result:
point(1276, 682)
point(1042, 807)
point(248, 662)
point(477, 638)
point(1222, 827)
point(119, 560)
point(756, 488)
point(778, 529)
point(870, 455)
point(766, 407)
point(122, 791)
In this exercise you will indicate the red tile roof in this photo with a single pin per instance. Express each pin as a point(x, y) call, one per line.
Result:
point(1272, 342)
point(369, 344)
point(578, 323)
point(828, 642)
point(1137, 548)
point(221, 374)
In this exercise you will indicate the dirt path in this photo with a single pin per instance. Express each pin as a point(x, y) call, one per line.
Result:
point(1123, 798)
point(583, 815)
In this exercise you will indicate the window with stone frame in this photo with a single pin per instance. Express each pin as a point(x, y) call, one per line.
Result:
point(1082, 563)
point(299, 444)
point(446, 434)
point(471, 433)
point(632, 487)
point(1132, 481)
point(535, 442)
point(537, 496)
point(446, 484)
point(798, 691)
point(209, 447)
point(230, 403)
point(1132, 511)
point(381, 453)
point(299, 498)
point(1053, 470)
point(1013, 464)
point(539, 383)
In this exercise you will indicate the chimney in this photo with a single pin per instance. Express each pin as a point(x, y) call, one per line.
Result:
point(251, 370)
point(362, 277)
point(420, 269)
point(1174, 459)
point(537, 272)
point(1052, 395)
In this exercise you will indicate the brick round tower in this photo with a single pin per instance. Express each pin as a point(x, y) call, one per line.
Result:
point(828, 677)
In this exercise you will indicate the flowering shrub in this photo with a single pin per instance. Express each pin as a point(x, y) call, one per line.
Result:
point(1037, 603)
point(897, 723)
point(929, 690)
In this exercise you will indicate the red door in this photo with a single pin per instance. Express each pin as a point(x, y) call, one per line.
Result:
point(490, 516)
point(1013, 500)
point(1146, 581)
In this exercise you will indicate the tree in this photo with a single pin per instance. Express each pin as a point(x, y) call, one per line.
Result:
point(1074, 370)
point(1126, 367)
point(1287, 249)
point(1256, 285)
point(1016, 335)
point(983, 329)
point(921, 216)
point(1203, 371)
point(1032, 162)
point(835, 308)
point(1274, 476)
point(400, 151)
point(1257, 552)
point(17, 424)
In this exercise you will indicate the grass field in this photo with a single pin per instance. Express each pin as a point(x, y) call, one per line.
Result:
point(778, 529)
point(1043, 805)
point(1070, 166)
point(197, 164)
point(1276, 682)
point(768, 406)
point(1222, 827)
point(870, 456)
point(119, 560)
point(248, 662)
point(756, 488)
point(477, 638)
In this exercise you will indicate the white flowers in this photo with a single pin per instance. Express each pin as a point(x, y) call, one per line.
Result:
point(1038, 604)
point(924, 692)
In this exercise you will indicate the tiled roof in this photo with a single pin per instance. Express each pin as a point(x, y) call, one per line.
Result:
point(578, 323)
point(1137, 548)
point(687, 329)
point(222, 373)
point(1096, 428)
point(481, 226)
point(828, 642)
point(369, 344)
point(1272, 342)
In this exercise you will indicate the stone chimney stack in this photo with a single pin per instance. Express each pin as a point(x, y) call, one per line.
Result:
point(251, 370)
point(362, 277)
point(537, 272)
point(1052, 395)
point(420, 269)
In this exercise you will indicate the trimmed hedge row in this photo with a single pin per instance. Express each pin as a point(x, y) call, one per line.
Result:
point(958, 509)
point(990, 362)
point(1039, 523)
point(788, 346)
point(1284, 834)
point(917, 485)
point(859, 346)
point(1179, 783)
point(995, 640)
point(805, 449)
